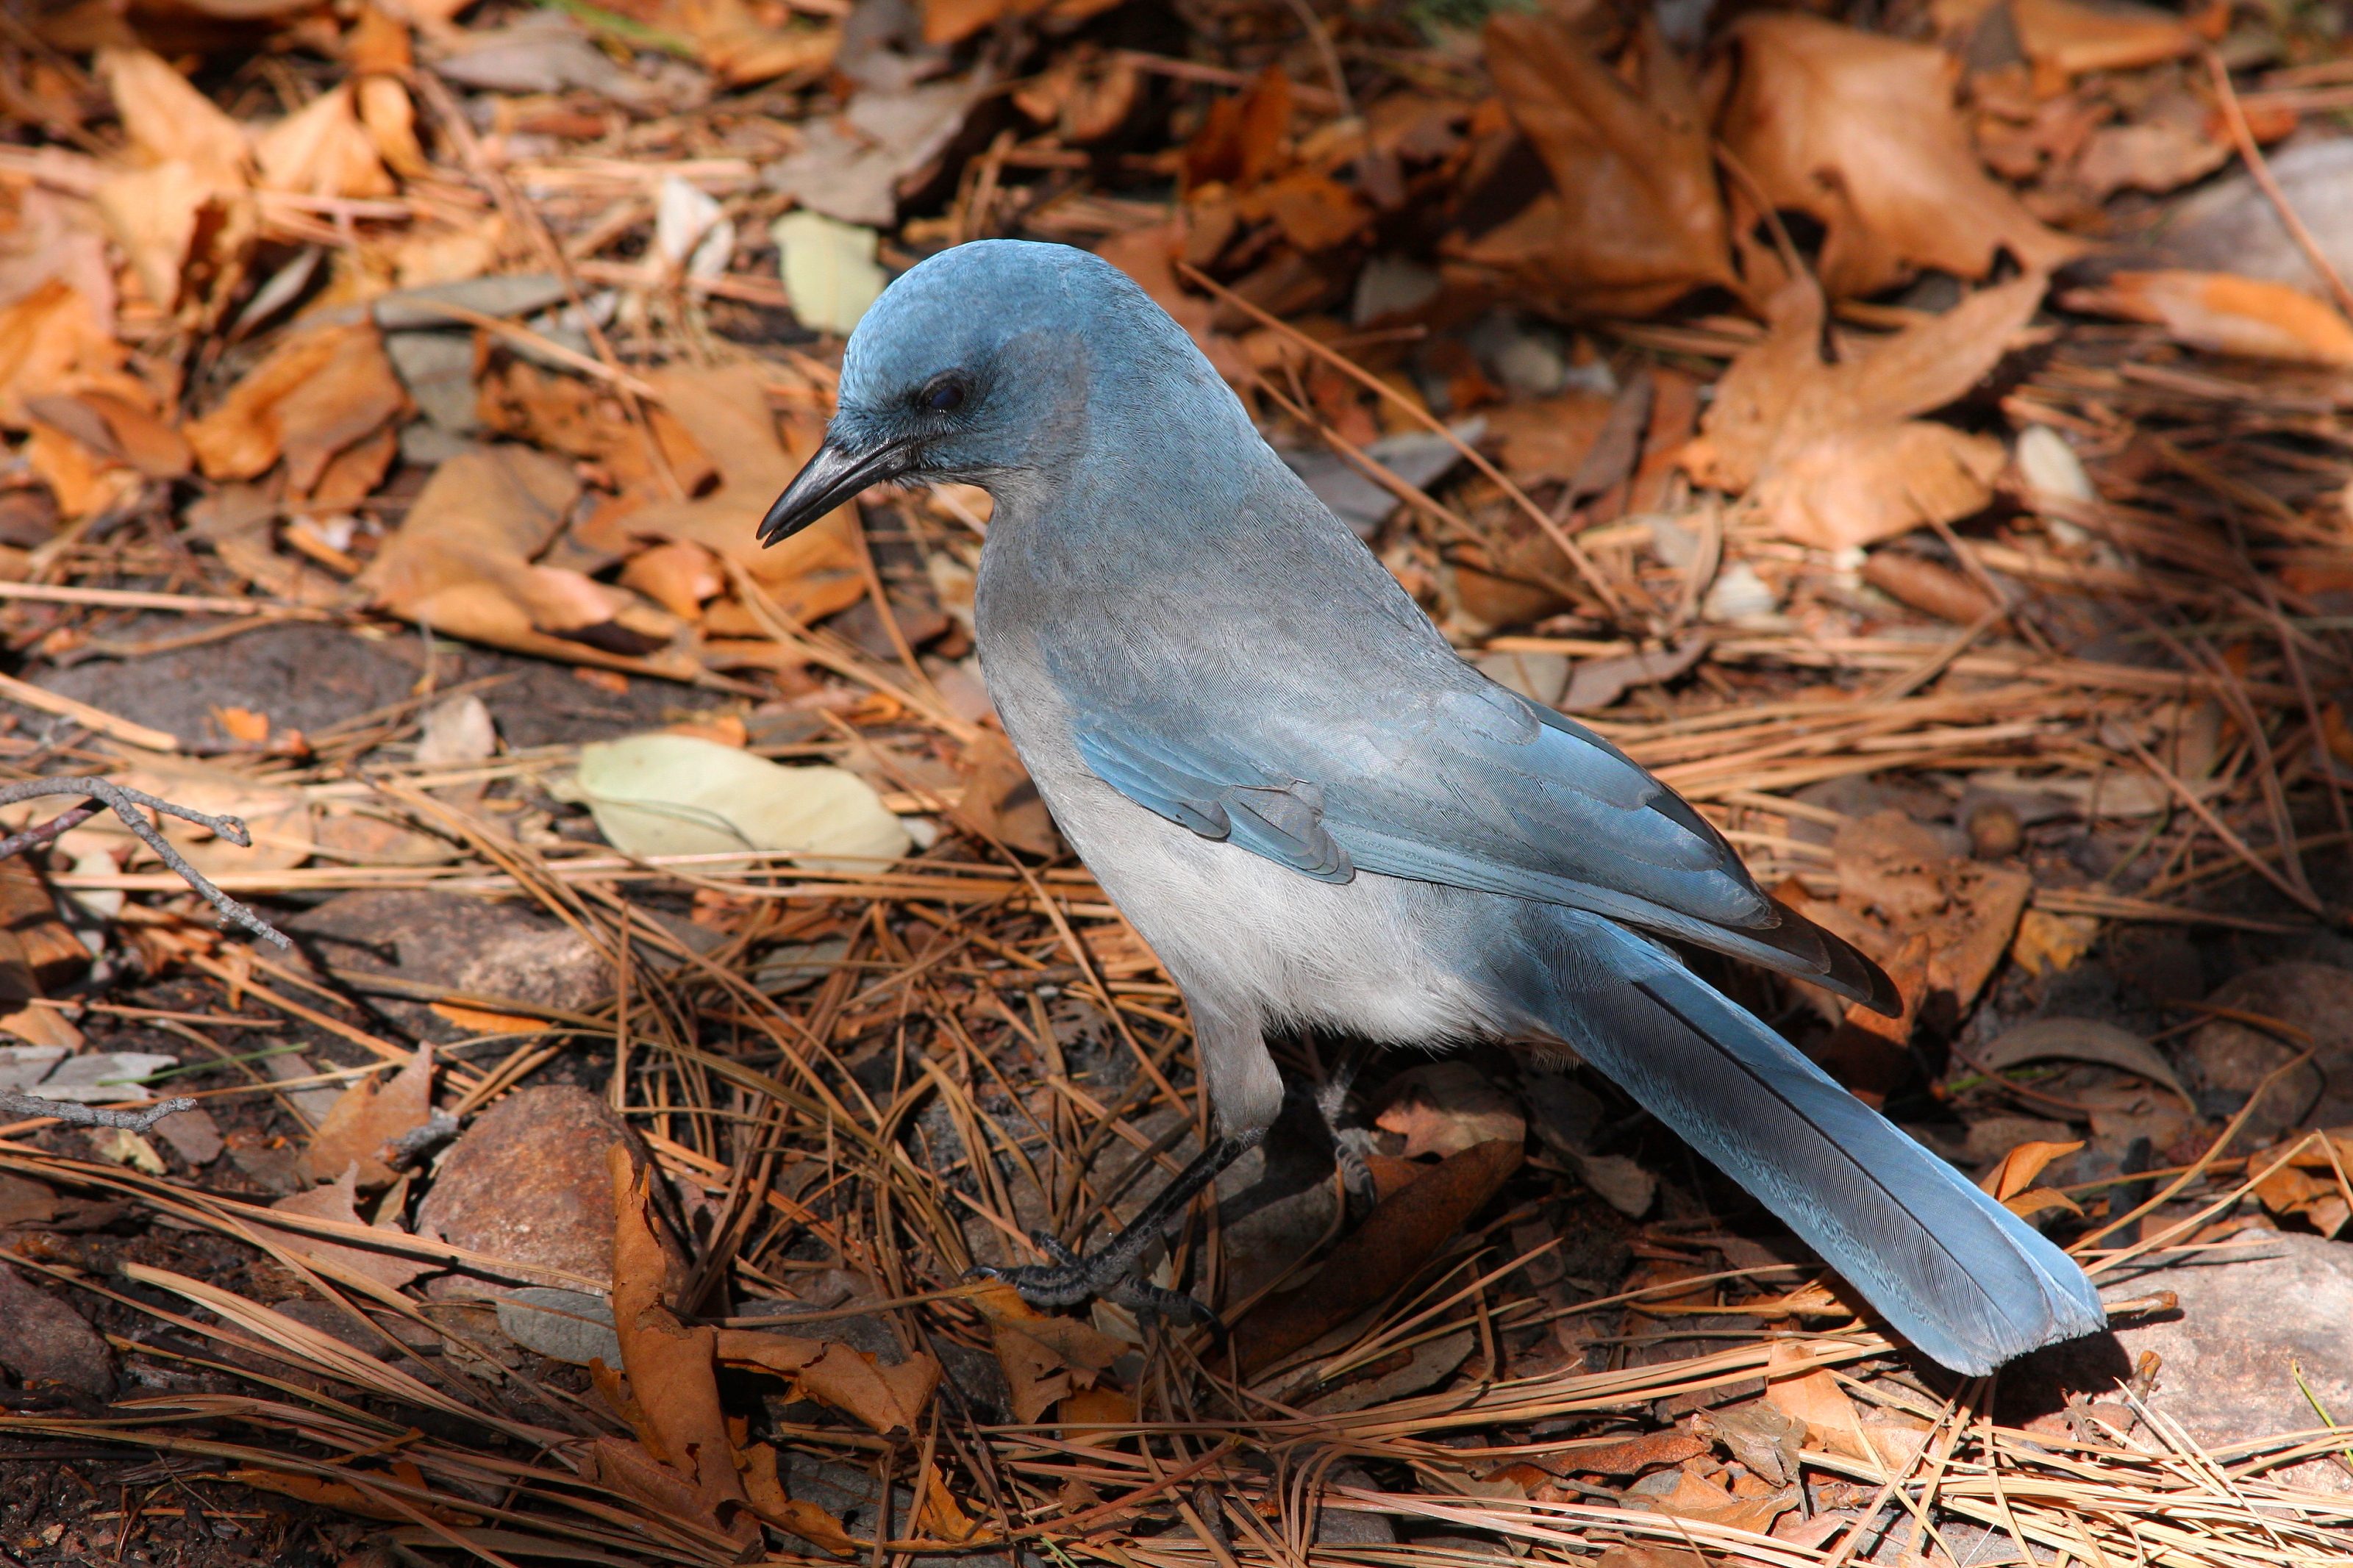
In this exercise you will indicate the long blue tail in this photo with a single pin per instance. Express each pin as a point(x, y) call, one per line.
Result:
point(1951, 1270)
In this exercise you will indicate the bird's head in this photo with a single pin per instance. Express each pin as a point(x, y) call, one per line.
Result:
point(988, 364)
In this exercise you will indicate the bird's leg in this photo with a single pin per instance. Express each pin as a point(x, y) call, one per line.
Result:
point(1348, 1143)
point(1110, 1270)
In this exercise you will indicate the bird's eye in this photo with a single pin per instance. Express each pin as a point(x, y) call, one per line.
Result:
point(944, 396)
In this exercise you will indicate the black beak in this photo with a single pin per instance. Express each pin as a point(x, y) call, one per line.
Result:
point(829, 478)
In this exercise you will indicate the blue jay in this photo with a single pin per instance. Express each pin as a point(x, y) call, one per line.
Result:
point(1319, 815)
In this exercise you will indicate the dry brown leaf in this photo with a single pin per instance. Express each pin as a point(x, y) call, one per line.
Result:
point(1245, 137)
point(548, 408)
point(277, 817)
point(1897, 881)
point(324, 149)
point(2311, 1195)
point(1000, 801)
point(1635, 220)
point(337, 1201)
point(1815, 1398)
point(887, 1398)
point(2225, 315)
point(1444, 1108)
point(1831, 452)
point(734, 44)
point(53, 342)
point(678, 577)
point(365, 1118)
point(1861, 133)
point(673, 1374)
point(1044, 1357)
point(2066, 39)
point(2019, 1168)
point(167, 120)
point(314, 394)
point(803, 1518)
point(811, 575)
point(464, 562)
point(1397, 1240)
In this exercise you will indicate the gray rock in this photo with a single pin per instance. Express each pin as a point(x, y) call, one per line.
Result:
point(562, 1325)
point(2249, 1322)
point(529, 1182)
point(450, 941)
point(47, 1342)
point(2231, 1059)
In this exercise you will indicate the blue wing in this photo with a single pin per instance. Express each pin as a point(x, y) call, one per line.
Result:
point(1454, 779)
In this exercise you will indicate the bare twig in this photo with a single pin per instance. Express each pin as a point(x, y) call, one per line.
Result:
point(126, 802)
point(92, 1115)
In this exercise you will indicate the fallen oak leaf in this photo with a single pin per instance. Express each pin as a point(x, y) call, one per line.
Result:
point(1861, 133)
point(804, 1519)
point(1635, 220)
point(1045, 1358)
point(2017, 1170)
point(1397, 1241)
point(887, 1398)
point(1834, 453)
point(338, 1200)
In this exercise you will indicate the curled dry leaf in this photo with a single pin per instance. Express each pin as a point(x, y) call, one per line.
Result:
point(810, 575)
point(368, 1117)
point(1814, 1398)
point(804, 1519)
point(324, 149)
point(672, 1369)
point(1831, 452)
point(1859, 132)
point(2225, 315)
point(1898, 883)
point(316, 394)
point(1398, 1239)
point(1447, 1106)
point(887, 1398)
point(2065, 38)
point(1634, 220)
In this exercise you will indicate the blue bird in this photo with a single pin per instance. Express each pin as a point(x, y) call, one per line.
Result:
point(1319, 815)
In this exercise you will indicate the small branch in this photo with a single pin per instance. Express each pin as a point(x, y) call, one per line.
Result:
point(413, 1145)
point(126, 802)
point(92, 1115)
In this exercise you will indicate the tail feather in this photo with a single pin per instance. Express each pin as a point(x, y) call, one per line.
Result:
point(1952, 1270)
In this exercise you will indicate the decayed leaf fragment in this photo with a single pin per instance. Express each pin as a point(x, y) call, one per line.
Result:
point(1861, 133)
point(1634, 220)
point(2066, 39)
point(337, 1201)
point(366, 1118)
point(1831, 452)
point(2224, 314)
point(887, 1398)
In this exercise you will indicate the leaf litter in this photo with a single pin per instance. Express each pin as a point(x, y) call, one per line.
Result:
point(1818, 405)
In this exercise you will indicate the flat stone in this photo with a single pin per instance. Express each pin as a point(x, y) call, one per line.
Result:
point(301, 676)
point(46, 1340)
point(2249, 1322)
point(2231, 1059)
point(528, 1182)
point(453, 942)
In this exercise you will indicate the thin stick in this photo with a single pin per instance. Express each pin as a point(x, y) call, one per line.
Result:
point(126, 802)
point(82, 1115)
